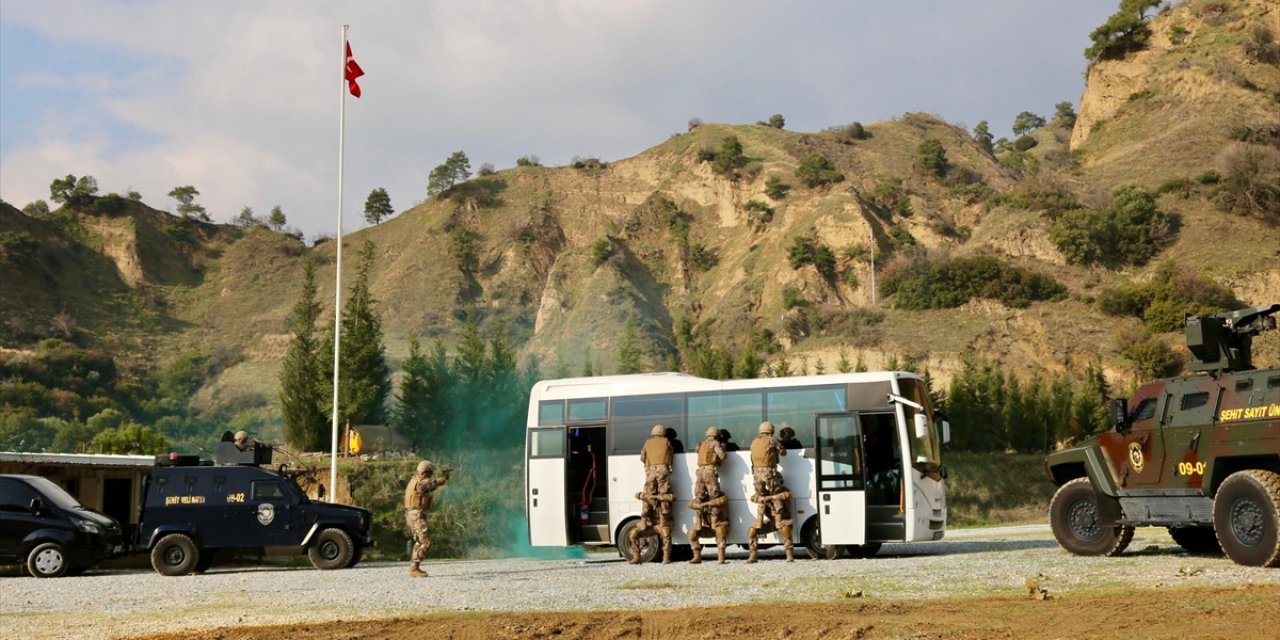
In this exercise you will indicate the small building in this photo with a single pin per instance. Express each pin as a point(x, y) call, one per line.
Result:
point(109, 483)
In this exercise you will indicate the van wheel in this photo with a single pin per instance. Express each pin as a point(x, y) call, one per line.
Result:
point(1196, 540)
point(1245, 517)
point(1073, 516)
point(333, 549)
point(175, 555)
point(811, 538)
point(47, 560)
point(649, 543)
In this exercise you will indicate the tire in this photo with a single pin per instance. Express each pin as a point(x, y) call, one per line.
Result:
point(206, 561)
point(1201, 541)
point(175, 555)
point(48, 560)
point(356, 555)
point(332, 549)
point(650, 544)
point(862, 550)
point(1073, 515)
point(1245, 517)
point(811, 539)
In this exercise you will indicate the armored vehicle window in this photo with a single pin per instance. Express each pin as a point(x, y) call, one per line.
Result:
point(1273, 382)
point(1244, 385)
point(1144, 410)
point(1193, 400)
point(267, 490)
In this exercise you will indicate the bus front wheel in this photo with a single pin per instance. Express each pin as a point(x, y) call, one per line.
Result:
point(647, 543)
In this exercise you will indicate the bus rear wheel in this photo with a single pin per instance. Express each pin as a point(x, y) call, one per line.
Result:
point(811, 538)
point(648, 543)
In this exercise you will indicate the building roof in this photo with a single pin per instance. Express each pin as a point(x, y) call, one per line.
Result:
point(98, 459)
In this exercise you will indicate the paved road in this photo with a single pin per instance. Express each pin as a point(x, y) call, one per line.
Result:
point(114, 604)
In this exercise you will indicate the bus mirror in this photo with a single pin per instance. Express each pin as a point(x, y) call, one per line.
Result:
point(946, 433)
point(922, 426)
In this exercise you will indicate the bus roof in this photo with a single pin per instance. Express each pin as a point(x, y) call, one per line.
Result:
point(652, 383)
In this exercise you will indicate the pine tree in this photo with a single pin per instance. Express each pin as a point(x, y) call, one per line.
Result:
point(843, 365)
point(629, 356)
point(302, 381)
point(417, 397)
point(365, 380)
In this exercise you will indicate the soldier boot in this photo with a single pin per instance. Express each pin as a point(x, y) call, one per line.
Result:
point(416, 571)
point(720, 552)
point(753, 545)
point(696, 549)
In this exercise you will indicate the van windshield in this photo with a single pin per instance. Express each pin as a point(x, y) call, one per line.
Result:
point(55, 494)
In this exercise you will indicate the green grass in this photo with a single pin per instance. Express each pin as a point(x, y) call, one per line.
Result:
point(988, 489)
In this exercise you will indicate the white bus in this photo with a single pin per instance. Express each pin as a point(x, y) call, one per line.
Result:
point(871, 437)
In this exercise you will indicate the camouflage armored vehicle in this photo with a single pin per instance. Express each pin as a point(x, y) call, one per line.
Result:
point(1198, 454)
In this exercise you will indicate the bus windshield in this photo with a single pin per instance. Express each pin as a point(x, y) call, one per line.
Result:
point(925, 450)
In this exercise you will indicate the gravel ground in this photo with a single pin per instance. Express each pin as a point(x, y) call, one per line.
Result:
point(978, 562)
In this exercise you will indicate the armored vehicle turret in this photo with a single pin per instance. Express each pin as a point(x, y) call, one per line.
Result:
point(1198, 454)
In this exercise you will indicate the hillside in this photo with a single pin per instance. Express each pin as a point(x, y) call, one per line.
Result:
point(560, 258)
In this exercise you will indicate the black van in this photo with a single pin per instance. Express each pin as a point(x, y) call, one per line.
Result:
point(193, 510)
point(51, 533)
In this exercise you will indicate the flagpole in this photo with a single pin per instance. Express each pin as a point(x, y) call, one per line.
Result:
point(337, 286)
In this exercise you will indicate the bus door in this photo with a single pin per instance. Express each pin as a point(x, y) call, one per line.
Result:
point(545, 487)
point(841, 481)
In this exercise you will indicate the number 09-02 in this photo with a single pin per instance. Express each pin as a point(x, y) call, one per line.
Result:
point(1190, 468)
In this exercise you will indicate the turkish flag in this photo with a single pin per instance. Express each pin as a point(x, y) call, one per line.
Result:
point(352, 72)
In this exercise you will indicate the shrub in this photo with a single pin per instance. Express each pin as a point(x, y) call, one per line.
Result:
point(931, 158)
point(1129, 232)
point(703, 258)
point(900, 238)
point(1052, 199)
point(925, 283)
point(1262, 46)
point(815, 170)
point(759, 214)
point(824, 260)
point(1250, 182)
point(601, 250)
point(463, 245)
point(800, 252)
point(793, 298)
point(777, 121)
point(1170, 295)
point(1149, 355)
point(1025, 143)
point(18, 246)
point(528, 161)
point(727, 159)
point(775, 188)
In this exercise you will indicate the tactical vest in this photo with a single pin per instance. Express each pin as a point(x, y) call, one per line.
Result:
point(763, 454)
point(415, 500)
point(657, 451)
point(707, 454)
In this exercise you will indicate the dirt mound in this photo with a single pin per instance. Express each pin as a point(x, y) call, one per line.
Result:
point(1244, 612)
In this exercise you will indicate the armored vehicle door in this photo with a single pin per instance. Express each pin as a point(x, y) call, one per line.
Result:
point(841, 479)
point(1142, 460)
point(545, 500)
point(269, 516)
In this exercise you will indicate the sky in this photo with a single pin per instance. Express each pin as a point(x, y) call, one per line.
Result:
point(241, 98)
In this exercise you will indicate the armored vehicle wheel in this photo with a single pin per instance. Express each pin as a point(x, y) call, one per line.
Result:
point(811, 538)
point(175, 555)
point(356, 555)
point(333, 549)
point(1196, 540)
point(47, 560)
point(1073, 515)
point(649, 543)
point(1245, 517)
point(862, 550)
point(206, 561)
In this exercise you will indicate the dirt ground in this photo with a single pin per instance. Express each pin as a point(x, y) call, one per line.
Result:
point(1240, 613)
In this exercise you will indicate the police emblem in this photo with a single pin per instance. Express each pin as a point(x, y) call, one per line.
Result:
point(266, 513)
point(1136, 459)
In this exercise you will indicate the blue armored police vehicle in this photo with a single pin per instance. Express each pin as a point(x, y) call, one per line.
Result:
point(194, 510)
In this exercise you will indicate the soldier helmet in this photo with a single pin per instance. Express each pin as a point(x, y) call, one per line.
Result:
point(241, 436)
point(658, 430)
point(713, 432)
point(766, 428)
point(425, 468)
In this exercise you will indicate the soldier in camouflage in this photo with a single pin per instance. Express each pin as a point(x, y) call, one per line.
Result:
point(709, 503)
point(418, 496)
point(657, 456)
point(772, 498)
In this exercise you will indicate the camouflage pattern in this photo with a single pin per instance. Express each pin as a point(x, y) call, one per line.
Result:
point(418, 498)
point(711, 519)
point(657, 456)
point(773, 513)
point(655, 517)
point(1176, 444)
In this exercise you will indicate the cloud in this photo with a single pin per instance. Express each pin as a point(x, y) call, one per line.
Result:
point(241, 98)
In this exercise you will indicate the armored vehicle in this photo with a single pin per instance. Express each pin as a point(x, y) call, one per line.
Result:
point(1198, 454)
point(193, 510)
